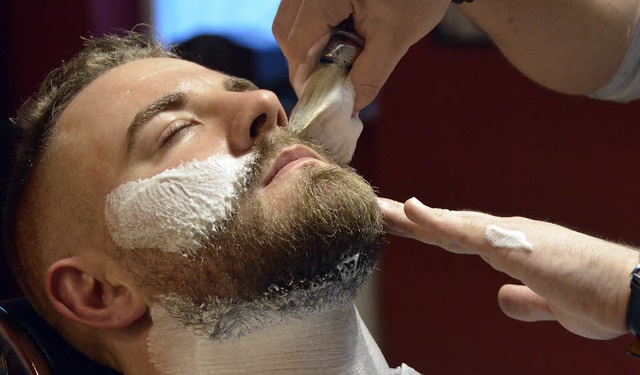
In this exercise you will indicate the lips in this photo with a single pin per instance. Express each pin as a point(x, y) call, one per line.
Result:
point(287, 160)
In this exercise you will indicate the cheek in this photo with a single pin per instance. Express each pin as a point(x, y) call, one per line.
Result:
point(177, 209)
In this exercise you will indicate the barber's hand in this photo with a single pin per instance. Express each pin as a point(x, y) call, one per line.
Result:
point(302, 28)
point(580, 281)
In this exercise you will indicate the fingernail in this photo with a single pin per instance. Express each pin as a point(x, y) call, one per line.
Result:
point(415, 201)
point(385, 203)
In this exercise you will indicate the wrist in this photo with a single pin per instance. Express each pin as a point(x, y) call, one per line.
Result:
point(633, 306)
point(633, 312)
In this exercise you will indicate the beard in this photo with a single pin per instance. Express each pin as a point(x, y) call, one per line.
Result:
point(274, 258)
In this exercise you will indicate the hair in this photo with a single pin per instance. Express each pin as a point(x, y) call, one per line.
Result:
point(27, 243)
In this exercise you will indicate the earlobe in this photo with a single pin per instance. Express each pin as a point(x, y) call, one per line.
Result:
point(90, 299)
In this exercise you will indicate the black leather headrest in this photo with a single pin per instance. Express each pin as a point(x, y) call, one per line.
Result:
point(62, 357)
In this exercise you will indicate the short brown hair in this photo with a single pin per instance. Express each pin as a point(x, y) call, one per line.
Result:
point(36, 121)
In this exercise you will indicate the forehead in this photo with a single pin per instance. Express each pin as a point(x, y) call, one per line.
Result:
point(90, 135)
point(125, 89)
point(111, 101)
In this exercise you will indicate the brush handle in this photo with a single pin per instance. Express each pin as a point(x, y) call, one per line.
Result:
point(347, 29)
point(344, 45)
point(323, 112)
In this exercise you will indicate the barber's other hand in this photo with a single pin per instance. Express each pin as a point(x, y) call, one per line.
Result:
point(302, 28)
point(580, 281)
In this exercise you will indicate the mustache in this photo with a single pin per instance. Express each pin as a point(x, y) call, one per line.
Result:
point(264, 151)
point(267, 148)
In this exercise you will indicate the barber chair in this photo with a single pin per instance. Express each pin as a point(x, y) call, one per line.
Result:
point(29, 346)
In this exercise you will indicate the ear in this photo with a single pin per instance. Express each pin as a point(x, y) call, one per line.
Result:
point(90, 300)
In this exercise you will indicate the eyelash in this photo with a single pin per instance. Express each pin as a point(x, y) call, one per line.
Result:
point(174, 129)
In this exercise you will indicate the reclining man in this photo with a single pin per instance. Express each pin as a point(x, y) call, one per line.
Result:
point(165, 222)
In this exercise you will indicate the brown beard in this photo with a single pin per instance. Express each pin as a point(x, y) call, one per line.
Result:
point(326, 236)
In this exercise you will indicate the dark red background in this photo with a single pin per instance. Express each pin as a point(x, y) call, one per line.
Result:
point(458, 127)
point(35, 37)
point(461, 129)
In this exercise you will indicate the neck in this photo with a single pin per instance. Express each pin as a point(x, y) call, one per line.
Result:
point(334, 342)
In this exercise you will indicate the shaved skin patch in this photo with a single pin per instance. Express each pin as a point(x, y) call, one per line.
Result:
point(173, 210)
point(508, 239)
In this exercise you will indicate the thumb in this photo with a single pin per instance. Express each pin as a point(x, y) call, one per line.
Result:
point(521, 303)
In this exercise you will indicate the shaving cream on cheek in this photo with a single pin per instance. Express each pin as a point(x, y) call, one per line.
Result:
point(509, 239)
point(173, 210)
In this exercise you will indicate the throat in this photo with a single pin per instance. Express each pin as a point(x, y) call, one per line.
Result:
point(335, 341)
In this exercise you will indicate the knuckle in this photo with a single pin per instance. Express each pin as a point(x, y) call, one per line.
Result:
point(278, 31)
point(467, 229)
point(292, 41)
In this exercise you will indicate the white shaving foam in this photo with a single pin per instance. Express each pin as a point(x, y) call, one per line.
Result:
point(173, 210)
point(335, 127)
point(509, 239)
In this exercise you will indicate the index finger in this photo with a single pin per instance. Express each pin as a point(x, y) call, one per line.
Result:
point(401, 221)
point(282, 22)
point(396, 221)
point(460, 232)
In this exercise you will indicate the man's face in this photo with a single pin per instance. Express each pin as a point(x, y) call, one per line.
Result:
point(206, 195)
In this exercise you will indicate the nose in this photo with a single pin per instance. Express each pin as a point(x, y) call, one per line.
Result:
point(252, 114)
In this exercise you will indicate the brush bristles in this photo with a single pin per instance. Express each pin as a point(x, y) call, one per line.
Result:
point(316, 95)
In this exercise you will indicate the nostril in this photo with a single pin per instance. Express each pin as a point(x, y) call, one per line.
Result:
point(257, 124)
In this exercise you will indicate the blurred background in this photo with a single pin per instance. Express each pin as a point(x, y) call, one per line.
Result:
point(455, 126)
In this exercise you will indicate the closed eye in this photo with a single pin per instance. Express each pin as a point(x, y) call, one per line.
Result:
point(175, 131)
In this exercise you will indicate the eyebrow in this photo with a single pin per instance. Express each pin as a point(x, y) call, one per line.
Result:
point(170, 101)
point(238, 84)
point(176, 100)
